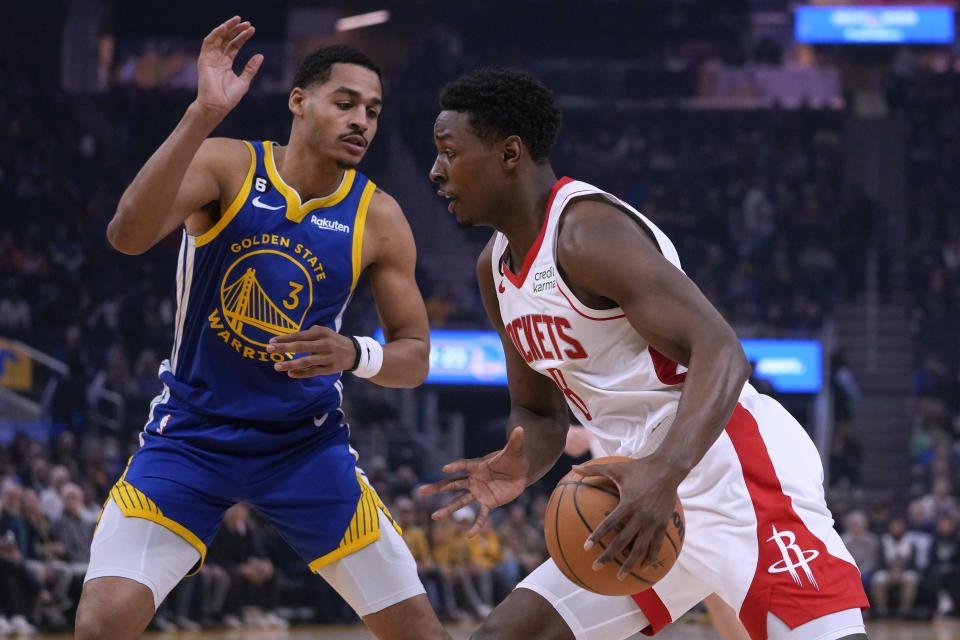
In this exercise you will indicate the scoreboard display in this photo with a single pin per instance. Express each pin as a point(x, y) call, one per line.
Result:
point(886, 24)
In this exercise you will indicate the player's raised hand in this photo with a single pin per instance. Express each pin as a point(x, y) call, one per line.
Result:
point(326, 352)
point(493, 480)
point(219, 89)
point(648, 493)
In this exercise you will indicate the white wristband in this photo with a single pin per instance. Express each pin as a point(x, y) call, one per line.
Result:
point(371, 357)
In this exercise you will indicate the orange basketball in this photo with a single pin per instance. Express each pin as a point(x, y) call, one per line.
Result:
point(576, 507)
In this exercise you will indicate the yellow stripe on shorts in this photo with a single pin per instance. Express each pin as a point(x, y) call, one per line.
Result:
point(134, 504)
point(364, 527)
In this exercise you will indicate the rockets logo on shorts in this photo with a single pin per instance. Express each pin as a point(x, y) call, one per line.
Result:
point(793, 557)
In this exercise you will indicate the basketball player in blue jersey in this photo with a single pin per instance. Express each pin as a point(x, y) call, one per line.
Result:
point(597, 318)
point(274, 239)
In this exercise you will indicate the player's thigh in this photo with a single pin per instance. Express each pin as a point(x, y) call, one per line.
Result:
point(833, 626)
point(140, 551)
point(548, 606)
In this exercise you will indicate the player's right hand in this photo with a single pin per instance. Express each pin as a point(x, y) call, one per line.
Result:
point(219, 89)
point(493, 480)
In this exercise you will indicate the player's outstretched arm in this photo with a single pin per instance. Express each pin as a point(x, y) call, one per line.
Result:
point(183, 174)
point(390, 256)
point(608, 257)
point(536, 429)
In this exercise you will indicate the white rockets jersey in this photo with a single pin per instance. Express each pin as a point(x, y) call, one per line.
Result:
point(616, 384)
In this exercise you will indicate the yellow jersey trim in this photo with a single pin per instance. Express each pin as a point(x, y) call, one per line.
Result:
point(234, 207)
point(364, 527)
point(296, 209)
point(135, 504)
point(359, 225)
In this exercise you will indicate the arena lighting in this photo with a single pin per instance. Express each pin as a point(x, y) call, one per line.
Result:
point(363, 20)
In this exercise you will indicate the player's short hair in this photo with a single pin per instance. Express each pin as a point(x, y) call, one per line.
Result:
point(315, 68)
point(502, 102)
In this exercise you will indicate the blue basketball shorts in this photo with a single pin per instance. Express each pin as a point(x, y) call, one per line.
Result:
point(304, 480)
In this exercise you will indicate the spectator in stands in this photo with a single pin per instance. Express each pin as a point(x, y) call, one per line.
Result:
point(51, 500)
point(940, 501)
point(20, 593)
point(862, 544)
point(943, 574)
point(45, 562)
point(451, 550)
point(485, 559)
point(523, 546)
point(73, 530)
point(897, 571)
point(238, 549)
point(434, 581)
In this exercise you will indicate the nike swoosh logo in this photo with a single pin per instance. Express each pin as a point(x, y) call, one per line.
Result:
point(257, 203)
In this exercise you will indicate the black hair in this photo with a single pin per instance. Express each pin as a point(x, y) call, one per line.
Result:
point(315, 68)
point(502, 102)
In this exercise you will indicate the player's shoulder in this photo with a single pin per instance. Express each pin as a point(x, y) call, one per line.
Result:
point(589, 218)
point(595, 230)
point(485, 260)
point(382, 204)
point(225, 153)
point(384, 214)
point(386, 228)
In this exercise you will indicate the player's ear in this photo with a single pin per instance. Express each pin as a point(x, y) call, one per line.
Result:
point(512, 151)
point(295, 101)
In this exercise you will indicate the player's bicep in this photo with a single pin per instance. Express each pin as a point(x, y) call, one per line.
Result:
point(613, 257)
point(393, 259)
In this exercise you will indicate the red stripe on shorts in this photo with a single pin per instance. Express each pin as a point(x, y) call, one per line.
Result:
point(656, 612)
point(796, 578)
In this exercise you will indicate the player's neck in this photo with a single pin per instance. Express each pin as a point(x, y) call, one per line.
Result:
point(524, 216)
point(311, 175)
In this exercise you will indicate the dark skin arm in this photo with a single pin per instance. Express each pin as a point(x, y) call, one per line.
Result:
point(609, 259)
point(531, 449)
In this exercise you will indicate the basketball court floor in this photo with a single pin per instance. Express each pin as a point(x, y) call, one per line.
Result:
point(945, 630)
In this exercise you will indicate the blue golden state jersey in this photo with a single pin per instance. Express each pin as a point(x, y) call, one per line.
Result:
point(271, 265)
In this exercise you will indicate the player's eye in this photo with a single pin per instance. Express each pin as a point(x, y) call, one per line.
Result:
point(345, 106)
point(373, 114)
point(448, 152)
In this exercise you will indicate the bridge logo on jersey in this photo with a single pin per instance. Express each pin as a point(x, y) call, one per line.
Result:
point(793, 557)
point(266, 292)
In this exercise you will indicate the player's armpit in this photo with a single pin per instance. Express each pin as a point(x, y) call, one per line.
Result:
point(389, 255)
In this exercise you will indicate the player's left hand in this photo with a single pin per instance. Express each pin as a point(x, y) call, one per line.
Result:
point(648, 493)
point(327, 352)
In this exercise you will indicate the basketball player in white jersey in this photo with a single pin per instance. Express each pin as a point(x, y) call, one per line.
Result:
point(596, 314)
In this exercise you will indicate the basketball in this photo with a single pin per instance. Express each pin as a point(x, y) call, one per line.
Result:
point(578, 504)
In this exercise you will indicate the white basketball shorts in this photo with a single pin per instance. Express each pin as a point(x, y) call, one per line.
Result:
point(758, 533)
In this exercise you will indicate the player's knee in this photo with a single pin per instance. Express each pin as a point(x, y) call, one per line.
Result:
point(496, 626)
point(90, 625)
